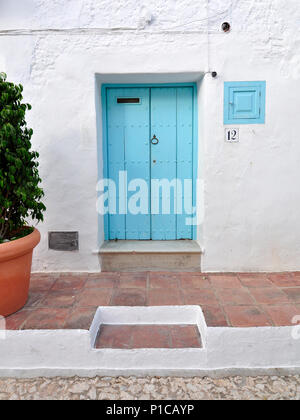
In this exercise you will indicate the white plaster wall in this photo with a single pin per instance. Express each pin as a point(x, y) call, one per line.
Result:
point(251, 195)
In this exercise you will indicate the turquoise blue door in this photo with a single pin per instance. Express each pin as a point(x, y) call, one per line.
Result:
point(150, 160)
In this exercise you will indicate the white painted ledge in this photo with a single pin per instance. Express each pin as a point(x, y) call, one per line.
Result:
point(226, 351)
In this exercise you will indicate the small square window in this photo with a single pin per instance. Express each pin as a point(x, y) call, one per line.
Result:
point(244, 102)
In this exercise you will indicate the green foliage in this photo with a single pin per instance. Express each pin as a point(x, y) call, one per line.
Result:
point(20, 194)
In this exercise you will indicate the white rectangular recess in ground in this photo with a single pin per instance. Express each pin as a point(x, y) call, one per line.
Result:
point(187, 358)
point(226, 351)
point(143, 315)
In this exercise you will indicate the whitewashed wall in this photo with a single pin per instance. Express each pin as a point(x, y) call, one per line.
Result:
point(251, 189)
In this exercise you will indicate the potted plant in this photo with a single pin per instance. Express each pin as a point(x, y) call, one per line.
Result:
point(20, 198)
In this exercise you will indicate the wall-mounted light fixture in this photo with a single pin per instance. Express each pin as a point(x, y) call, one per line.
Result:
point(226, 27)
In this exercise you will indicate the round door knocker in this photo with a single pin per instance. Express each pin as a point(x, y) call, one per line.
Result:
point(154, 140)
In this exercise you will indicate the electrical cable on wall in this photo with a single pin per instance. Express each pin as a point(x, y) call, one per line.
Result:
point(99, 30)
point(208, 38)
point(199, 20)
point(225, 27)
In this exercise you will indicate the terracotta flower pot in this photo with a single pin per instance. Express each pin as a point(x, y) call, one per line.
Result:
point(15, 268)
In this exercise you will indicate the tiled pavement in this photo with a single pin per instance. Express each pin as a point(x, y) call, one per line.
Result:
point(148, 336)
point(69, 301)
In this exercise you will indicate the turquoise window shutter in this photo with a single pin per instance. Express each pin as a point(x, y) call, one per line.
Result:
point(244, 102)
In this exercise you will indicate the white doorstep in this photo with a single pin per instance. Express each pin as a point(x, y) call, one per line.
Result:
point(123, 255)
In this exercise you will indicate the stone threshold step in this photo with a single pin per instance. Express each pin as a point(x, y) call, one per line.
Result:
point(150, 247)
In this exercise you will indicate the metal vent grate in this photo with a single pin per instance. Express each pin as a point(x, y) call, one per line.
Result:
point(63, 241)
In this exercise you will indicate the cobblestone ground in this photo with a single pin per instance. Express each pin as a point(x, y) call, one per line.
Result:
point(104, 388)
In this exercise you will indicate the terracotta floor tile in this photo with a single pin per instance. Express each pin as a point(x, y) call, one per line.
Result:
point(113, 275)
point(123, 338)
point(163, 282)
point(115, 337)
point(69, 283)
point(256, 281)
point(163, 297)
point(36, 276)
point(164, 274)
point(282, 315)
point(105, 337)
point(46, 318)
point(70, 300)
point(214, 316)
point(79, 274)
point(269, 296)
point(139, 275)
point(15, 321)
point(191, 281)
point(199, 297)
point(133, 280)
point(285, 280)
point(251, 275)
point(247, 316)
point(41, 284)
point(35, 299)
point(61, 299)
point(293, 294)
point(239, 296)
point(293, 282)
point(102, 282)
point(185, 336)
point(129, 297)
point(224, 281)
point(94, 297)
point(151, 336)
point(148, 336)
point(80, 318)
